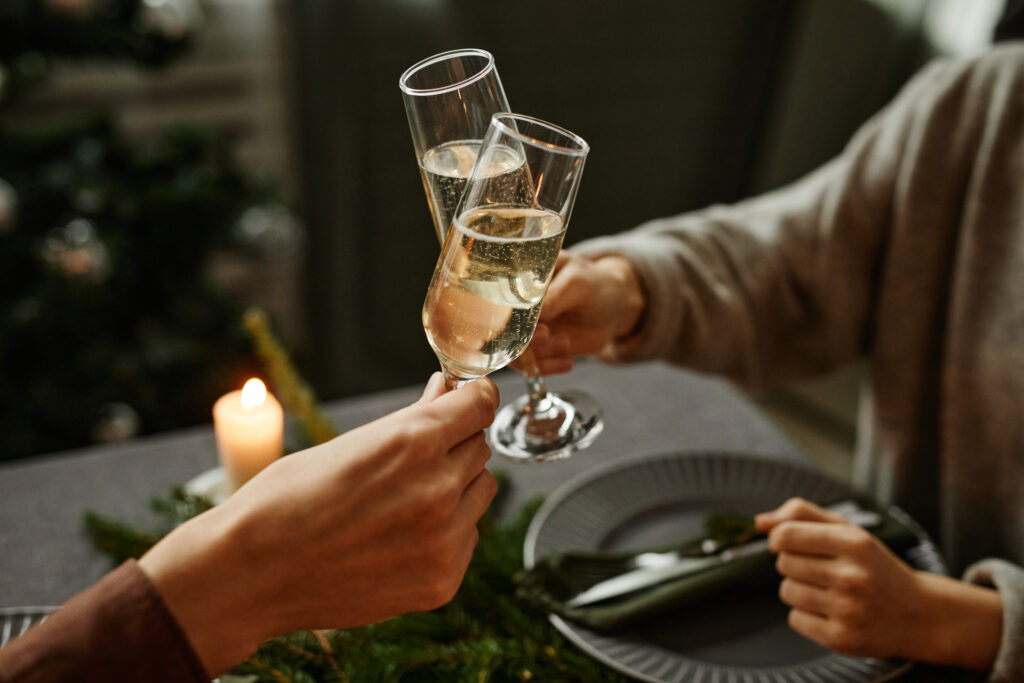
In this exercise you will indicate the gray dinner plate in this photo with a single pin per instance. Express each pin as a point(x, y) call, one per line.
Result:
point(651, 500)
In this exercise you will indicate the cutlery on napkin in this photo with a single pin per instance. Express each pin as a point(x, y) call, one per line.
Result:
point(608, 591)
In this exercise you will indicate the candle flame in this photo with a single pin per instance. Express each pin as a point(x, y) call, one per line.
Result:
point(254, 393)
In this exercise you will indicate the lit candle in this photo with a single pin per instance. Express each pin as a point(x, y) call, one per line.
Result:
point(249, 425)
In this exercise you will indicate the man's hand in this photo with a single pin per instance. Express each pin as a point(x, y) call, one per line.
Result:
point(589, 305)
point(377, 522)
point(848, 592)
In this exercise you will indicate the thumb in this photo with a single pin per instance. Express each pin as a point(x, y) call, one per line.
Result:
point(434, 388)
point(796, 509)
point(462, 413)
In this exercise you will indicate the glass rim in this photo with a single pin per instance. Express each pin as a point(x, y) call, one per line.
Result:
point(583, 148)
point(441, 57)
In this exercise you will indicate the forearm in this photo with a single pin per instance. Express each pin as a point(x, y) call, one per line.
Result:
point(767, 291)
point(781, 286)
point(758, 292)
point(208, 586)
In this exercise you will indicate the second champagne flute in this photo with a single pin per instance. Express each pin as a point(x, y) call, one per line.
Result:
point(449, 100)
point(487, 288)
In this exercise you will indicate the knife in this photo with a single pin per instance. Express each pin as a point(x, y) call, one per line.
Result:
point(645, 577)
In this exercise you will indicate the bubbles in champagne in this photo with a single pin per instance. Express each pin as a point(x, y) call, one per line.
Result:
point(485, 295)
point(445, 168)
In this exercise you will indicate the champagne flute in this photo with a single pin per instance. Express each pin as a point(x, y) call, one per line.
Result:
point(449, 99)
point(486, 291)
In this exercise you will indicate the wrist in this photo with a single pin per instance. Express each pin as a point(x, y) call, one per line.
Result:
point(632, 301)
point(965, 623)
point(207, 589)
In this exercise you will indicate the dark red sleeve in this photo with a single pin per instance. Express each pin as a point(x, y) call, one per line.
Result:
point(117, 630)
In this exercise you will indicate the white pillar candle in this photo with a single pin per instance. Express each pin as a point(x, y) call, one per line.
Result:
point(249, 425)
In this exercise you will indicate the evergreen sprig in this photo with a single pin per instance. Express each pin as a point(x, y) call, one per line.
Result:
point(121, 541)
point(118, 540)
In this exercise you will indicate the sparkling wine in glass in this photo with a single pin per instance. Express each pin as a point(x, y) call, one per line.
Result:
point(486, 292)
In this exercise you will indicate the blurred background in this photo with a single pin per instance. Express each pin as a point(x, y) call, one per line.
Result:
point(165, 164)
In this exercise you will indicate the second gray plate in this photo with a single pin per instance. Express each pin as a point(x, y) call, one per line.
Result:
point(647, 501)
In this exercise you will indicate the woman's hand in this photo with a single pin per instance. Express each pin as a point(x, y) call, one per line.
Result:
point(377, 522)
point(589, 304)
point(848, 592)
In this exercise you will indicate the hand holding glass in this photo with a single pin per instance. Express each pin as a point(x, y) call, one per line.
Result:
point(487, 288)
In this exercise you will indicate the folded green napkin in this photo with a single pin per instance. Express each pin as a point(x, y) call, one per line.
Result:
point(556, 578)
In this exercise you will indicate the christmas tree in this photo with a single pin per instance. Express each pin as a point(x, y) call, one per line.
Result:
point(111, 324)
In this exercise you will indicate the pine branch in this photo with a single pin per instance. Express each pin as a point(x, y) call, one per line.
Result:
point(294, 393)
point(121, 541)
point(118, 540)
point(180, 506)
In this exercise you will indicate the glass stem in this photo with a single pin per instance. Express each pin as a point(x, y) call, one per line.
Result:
point(536, 389)
point(453, 381)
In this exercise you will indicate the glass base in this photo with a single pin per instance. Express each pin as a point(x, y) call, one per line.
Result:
point(561, 424)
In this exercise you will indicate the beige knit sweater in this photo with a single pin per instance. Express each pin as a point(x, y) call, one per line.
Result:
point(906, 250)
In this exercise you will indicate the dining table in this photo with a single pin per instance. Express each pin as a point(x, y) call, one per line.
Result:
point(649, 408)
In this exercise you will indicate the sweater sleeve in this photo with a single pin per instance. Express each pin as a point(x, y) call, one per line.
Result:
point(781, 286)
point(117, 630)
point(1008, 579)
